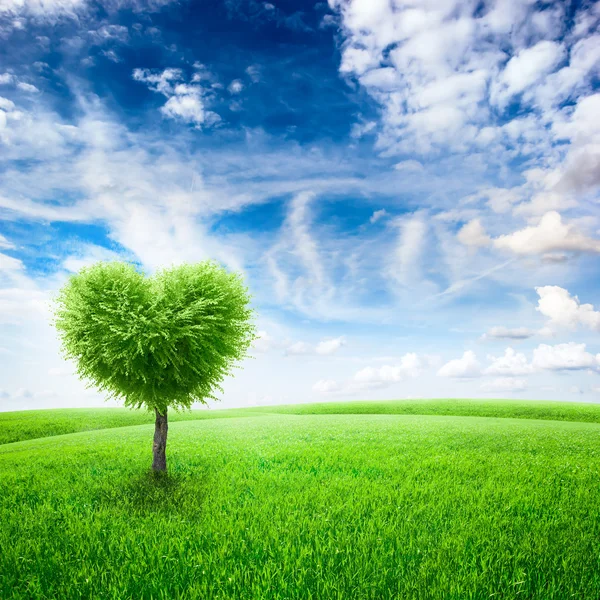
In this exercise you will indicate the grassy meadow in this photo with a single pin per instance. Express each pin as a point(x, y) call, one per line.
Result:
point(407, 500)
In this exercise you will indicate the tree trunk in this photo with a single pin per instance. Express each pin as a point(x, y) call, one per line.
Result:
point(159, 447)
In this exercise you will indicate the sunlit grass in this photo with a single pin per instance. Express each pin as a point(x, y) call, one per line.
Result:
point(307, 506)
point(30, 424)
point(24, 425)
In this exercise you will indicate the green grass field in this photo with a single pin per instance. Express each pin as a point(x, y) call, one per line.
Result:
point(420, 499)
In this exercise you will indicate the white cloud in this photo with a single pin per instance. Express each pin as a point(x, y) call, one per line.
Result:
point(406, 261)
point(326, 386)
point(52, 9)
point(296, 262)
point(254, 72)
point(572, 79)
point(20, 304)
point(6, 78)
point(40, 8)
point(465, 367)
point(473, 234)
point(360, 129)
point(409, 166)
point(378, 215)
point(87, 255)
point(504, 384)
point(162, 81)
point(235, 87)
point(582, 126)
point(527, 68)
point(409, 366)
point(299, 348)
point(6, 244)
point(512, 363)
point(502, 200)
point(8, 263)
point(549, 235)
point(565, 310)
point(264, 343)
point(185, 101)
point(27, 87)
point(439, 70)
point(111, 32)
point(515, 333)
point(326, 347)
point(6, 104)
point(569, 356)
point(61, 372)
point(188, 107)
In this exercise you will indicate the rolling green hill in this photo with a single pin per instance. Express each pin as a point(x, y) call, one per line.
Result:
point(24, 425)
point(292, 505)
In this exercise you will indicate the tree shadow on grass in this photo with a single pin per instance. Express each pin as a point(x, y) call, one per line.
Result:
point(157, 493)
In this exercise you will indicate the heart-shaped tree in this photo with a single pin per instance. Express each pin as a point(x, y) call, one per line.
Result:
point(157, 342)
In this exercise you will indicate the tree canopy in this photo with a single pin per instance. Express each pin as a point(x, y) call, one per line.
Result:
point(162, 341)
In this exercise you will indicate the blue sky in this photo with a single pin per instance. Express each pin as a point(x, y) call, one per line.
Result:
point(410, 188)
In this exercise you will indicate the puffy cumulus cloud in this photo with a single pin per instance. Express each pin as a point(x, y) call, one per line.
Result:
point(569, 161)
point(441, 71)
point(512, 363)
point(187, 107)
point(565, 310)
point(564, 357)
point(410, 365)
point(504, 384)
point(582, 125)
point(580, 172)
point(465, 367)
point(569, 356)
point(572, 79)
point(475, 79)
point(549, 235)
point(525, 69)
point(186, 102)
point(159, 81)
point(507, 333)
